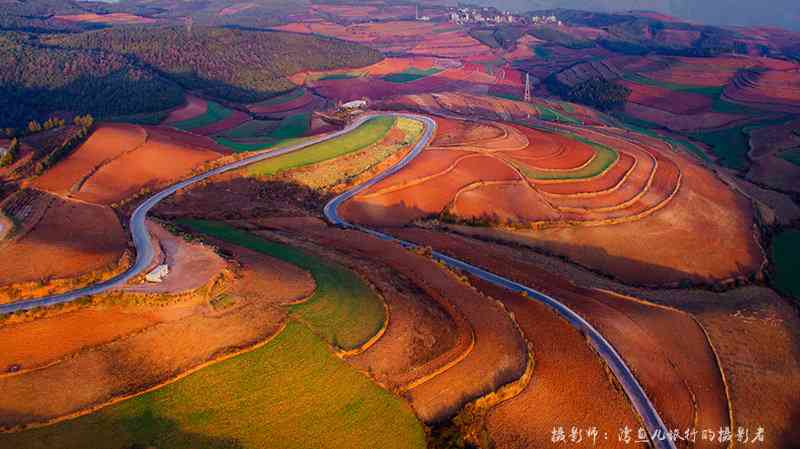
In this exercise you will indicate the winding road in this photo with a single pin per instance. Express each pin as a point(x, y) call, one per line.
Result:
point(145, 253)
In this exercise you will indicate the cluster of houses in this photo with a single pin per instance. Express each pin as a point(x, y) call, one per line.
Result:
point(488, 15)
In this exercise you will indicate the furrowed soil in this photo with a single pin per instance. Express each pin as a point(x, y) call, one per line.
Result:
point(499, 354)
point(291, 392)
point(70, 240)
point(681, 376)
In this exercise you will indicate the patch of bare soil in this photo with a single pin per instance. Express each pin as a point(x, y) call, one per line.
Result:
point(191, 264)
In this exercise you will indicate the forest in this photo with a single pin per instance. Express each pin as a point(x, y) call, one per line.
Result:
point(132, 70)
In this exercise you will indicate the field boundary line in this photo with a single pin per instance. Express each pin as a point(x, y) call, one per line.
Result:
point(89, 410)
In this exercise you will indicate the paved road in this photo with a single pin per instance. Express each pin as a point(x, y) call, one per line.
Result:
point(641, 403)
point(141, 238)
point(145, 252)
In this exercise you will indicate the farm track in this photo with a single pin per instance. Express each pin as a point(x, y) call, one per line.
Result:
point(145, 253)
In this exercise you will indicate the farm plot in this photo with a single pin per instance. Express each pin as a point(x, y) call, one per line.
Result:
point(343, 309)
point(368, 133)
point(410, 74)
point(261, 135)
point(682, 378)
point(143, 168)
point(772, 90)
point(490, 354)
point(291, 392)
point(349, 168)
point(74, 243)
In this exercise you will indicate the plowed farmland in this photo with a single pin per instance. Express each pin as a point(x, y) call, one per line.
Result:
point(118, 161)
point(62, 240)
point(292, 392)
point(577, 186)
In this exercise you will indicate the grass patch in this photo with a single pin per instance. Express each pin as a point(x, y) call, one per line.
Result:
point(215, 113)
point(288, 132)
point(284, 98)
point(343, 310)
point(731, 145)
point(252, 129)
point(785, 248)
point(792, 156)
point(411, 74)
point(367, 134)
point(644, 127)
point(603, 160)
point(551, 115)
point(291, 393)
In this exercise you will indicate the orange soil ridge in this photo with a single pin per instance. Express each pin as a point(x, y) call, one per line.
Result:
point(682, 378)
point(499, 354)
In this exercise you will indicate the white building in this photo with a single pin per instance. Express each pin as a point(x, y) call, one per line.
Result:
point(158, 274)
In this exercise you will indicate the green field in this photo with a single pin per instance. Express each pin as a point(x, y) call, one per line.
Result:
point(283, 98)
point(643, 127)
point(605, 158)
point(551, 115)
point(215, 113)
point(411, 74)
point(344, 309)
point(367, 134)
point(151, 119)
point(290, 393)
point(785, 248)
point(731, 145)
point(792, 156)
point(260, 135)
point(719, 105)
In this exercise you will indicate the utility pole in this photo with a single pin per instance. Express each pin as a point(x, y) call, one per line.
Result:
point(527, 87)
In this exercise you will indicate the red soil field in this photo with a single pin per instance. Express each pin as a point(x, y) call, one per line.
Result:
point(505, 202)
point(144, 167)
point(301, 102)
point(774, 139)
point(105, 144)
point(682, 377)
point(430, 197)
point(112, 18)
point(232, 121)
point(70, 240)
point(775, 90)
point(613, 179)
point(499, 353)
point(376, 88)
point(668, 100)
point(574, 155)
point(704, 213)
point(194, 106)
point(681, 122)
point(585, 397)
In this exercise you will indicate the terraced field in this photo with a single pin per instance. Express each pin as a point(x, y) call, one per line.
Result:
point(292, 392)
point(366, 134)
point(343, 310)
point(547, 176)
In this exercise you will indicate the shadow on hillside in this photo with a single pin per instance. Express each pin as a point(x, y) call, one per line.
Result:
point(149, 430)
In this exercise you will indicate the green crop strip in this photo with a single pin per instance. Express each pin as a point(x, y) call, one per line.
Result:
point(215, 113)
point(604, 158)
point(367, 134)
point(343, 309)
point(291, 393)
point(411, 74)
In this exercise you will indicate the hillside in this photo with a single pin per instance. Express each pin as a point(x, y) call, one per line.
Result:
point(126, 71)
point(237, 65)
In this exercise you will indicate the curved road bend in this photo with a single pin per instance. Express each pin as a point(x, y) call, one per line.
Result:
point(141, 238)
point(636, 394)
point(145, 253)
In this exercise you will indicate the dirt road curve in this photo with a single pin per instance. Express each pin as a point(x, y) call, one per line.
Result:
point(145, 253)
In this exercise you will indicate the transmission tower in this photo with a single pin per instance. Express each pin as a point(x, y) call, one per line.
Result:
point(527, 87)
